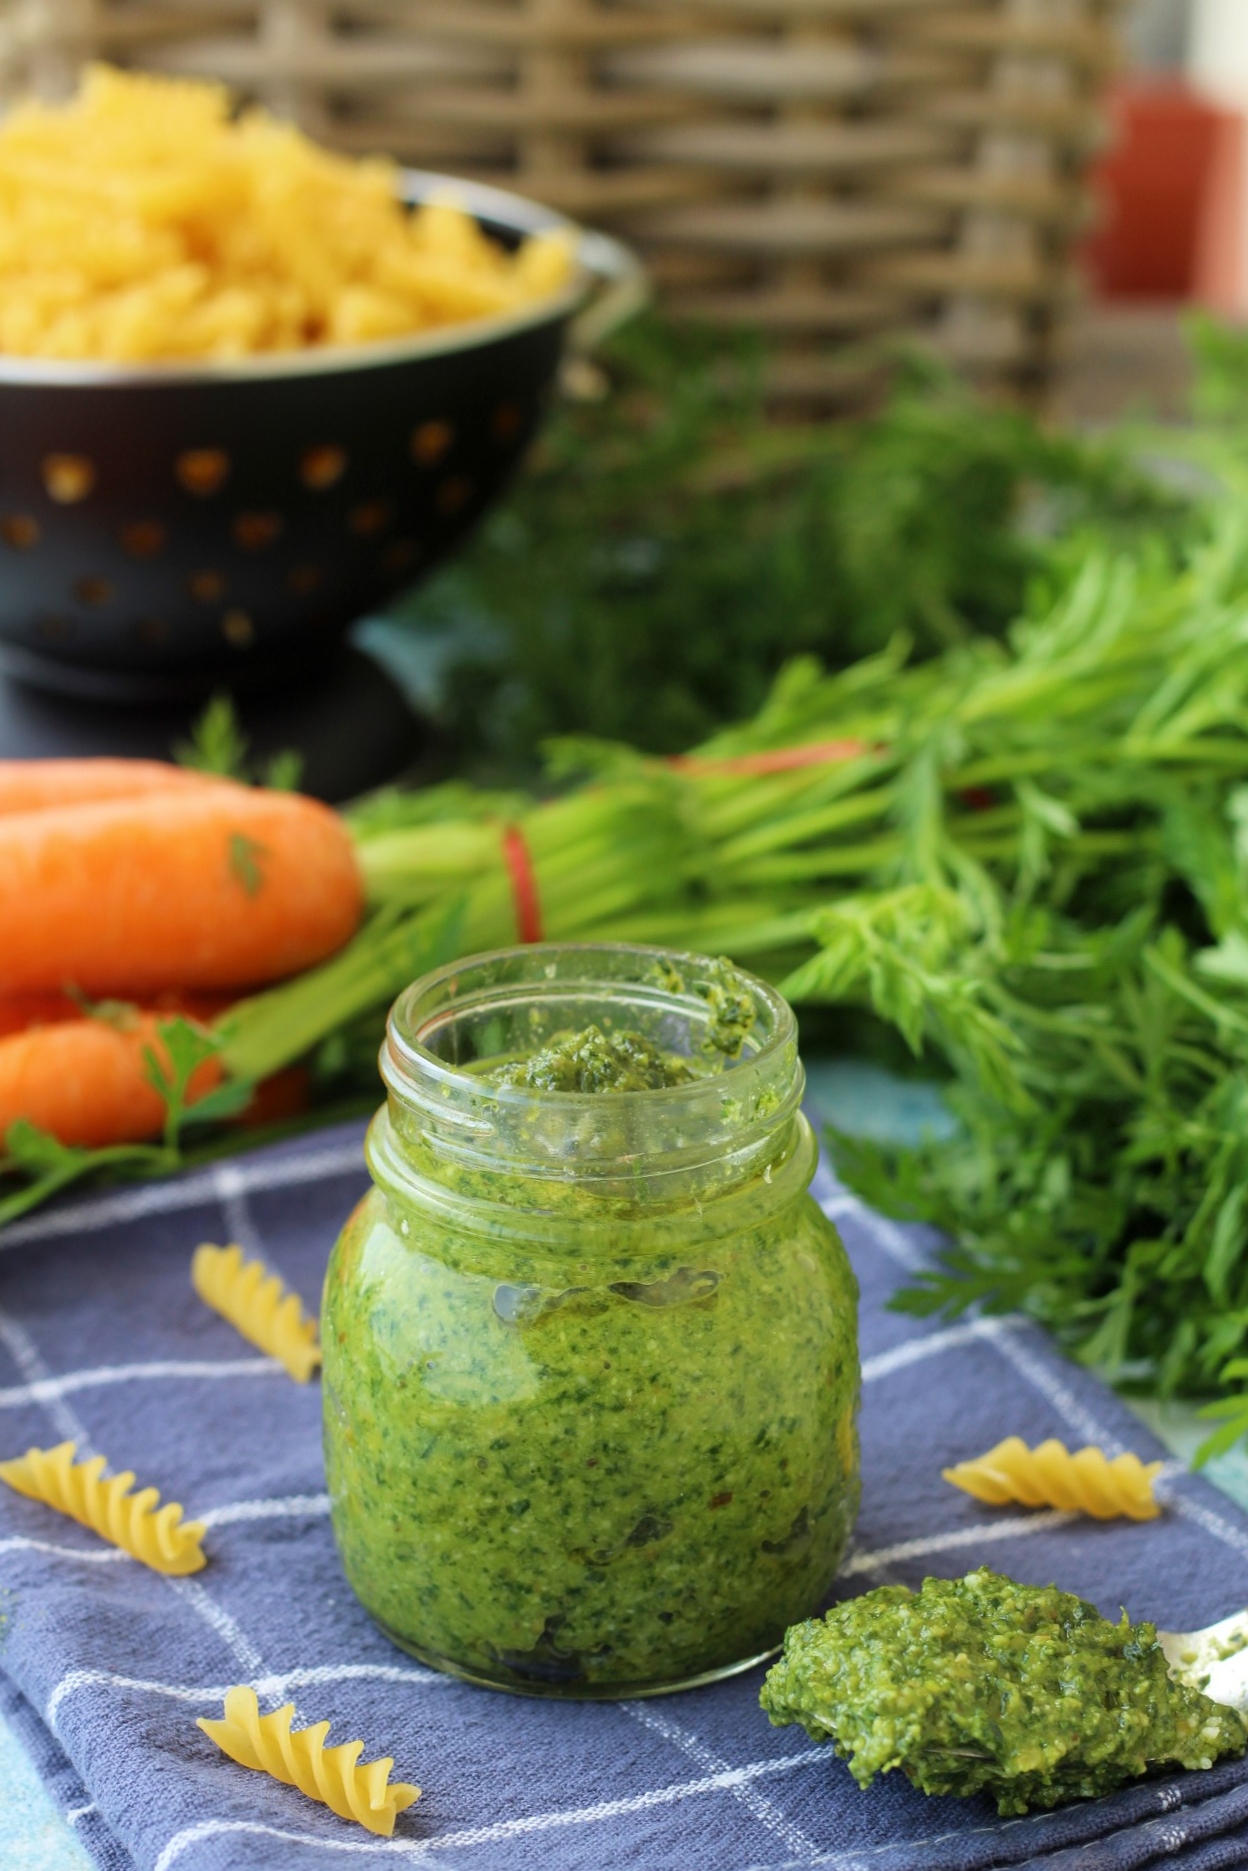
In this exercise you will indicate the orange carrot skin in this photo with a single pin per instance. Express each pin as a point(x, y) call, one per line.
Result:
point(36, 785)
point(213, 887)
point(20, 1011)
point(84, 1081)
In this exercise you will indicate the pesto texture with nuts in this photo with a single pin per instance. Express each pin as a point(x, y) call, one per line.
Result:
point(590, 1348)
point(594, 1061)
point(557, 1471)
point(981, 1685)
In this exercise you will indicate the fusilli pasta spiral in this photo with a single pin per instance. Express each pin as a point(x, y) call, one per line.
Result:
point(1050, 1476)
point(331, 1775)
point(159, 1537)
point(257, 1304)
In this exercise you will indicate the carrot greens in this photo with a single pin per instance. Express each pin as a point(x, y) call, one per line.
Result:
point(1011, 838)
point(669, 548)
point(1025, 858)
point(218, 746)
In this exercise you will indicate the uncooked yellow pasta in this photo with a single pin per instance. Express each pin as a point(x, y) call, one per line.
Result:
point(1050, 1476)
point(156, 1535)
point(145, 220)
point(257, 1305)
point(300, 1759)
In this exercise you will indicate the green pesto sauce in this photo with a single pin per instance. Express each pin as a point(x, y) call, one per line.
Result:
point(594, 1061)
point(982, 1685)
point(599, 1464)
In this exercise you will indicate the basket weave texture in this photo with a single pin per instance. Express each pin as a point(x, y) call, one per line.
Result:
point(827, 169)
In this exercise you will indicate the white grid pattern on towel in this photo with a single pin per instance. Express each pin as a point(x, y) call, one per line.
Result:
point(1005, 1336)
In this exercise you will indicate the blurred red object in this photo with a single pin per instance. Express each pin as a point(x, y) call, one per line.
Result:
point(286, 1094)
point(1170, 189)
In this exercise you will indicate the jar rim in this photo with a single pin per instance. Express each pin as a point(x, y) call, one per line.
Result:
point(404, 1045)
point(669, 1133)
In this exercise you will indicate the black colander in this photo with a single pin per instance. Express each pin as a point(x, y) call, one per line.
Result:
point(166, 526)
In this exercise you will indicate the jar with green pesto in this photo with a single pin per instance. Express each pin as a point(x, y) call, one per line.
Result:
point(590, 1347)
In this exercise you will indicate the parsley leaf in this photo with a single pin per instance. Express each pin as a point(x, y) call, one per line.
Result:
point(170, 1066)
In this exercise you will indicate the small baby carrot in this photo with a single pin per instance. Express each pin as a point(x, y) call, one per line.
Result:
point(36, 785)
point(86, 1081)
point(211, 886)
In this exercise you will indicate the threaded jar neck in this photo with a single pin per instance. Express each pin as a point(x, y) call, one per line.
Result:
point(681, 1142)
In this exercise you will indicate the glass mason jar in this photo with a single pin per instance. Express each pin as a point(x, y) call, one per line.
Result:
point(590, 1359)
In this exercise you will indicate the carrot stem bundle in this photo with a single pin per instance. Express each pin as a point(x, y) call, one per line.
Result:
point(850, 818)
point(596, 856)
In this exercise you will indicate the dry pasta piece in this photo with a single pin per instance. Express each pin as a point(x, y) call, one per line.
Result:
point(1050, 1476)
point(159, 1537)
point(146, 219)
point(331, 1775)
point(257, 1304)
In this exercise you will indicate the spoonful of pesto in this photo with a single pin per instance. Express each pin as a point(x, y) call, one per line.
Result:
point(980, 1685)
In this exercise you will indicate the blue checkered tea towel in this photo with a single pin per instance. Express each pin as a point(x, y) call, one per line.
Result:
point(106, 1664)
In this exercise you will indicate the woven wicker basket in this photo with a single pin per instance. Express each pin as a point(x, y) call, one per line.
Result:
point(829, 169)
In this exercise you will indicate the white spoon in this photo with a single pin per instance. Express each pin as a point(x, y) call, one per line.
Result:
point(1214, 1660)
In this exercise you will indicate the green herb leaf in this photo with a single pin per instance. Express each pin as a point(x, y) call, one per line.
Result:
point(29, 1148)
point(246, 862)
point(282, 772)
point(224, 1101)
point(47, 1166)
point(186, 1046)
point(217, 743)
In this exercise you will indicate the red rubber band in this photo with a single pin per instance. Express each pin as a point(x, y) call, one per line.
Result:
point(777, 759)
point(519, 861)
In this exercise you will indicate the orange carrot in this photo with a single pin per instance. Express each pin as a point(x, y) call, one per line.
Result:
point(34, 785)
point(84, 1080)
point(207, 887)
point(20, 1011)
